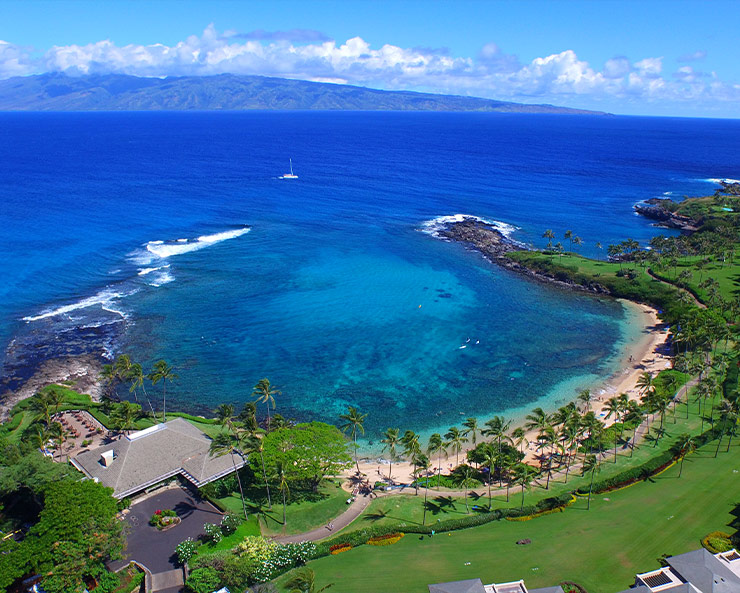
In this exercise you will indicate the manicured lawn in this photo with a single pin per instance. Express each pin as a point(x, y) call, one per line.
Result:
point(625, 532)
point(301, 516)
point(409, 508)
point(249, 527)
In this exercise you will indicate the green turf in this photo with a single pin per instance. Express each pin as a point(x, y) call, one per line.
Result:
point(248, 527)
point(625, 532)
point(301, 516)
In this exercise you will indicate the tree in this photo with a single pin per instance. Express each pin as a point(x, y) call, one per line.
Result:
point(76, 534)
point(438, 446)
point(303, 581)
point(265, 393)
point(225, 416)
point(124, 415)
point(455, 440)
point(471, 428)
point(223, 444)
point(248, 417)
point(162, 372)
point(490, 456)
point(40, 403)
point(136, 377)
point(686, 445)
point(520, 438)
point(590, 464)
point(585, 397)
point(613, 407)
point(412, 449)
point(255, 444)
point(283, 485)
point(390, 441)
point(463, 478)
point(353, 421)
point(312, 450)
point(523, 475)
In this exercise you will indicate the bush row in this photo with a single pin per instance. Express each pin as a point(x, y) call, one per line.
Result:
point(361, 536)
point(651, 467)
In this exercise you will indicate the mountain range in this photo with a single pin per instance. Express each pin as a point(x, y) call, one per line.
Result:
point(120, 92)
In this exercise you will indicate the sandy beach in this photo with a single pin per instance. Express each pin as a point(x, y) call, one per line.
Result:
point(644, 355)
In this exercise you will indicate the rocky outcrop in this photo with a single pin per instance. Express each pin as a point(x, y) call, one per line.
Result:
point(657, 209)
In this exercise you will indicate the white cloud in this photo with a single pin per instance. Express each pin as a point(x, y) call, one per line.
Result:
point(558, 78)
point(694, 57)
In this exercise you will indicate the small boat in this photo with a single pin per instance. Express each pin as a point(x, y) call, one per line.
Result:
point(289, 175)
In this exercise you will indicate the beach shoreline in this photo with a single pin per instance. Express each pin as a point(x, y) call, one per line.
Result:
point(645, 354)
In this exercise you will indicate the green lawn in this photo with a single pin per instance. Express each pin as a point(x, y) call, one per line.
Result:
point(410, 509)
point(625, 532)
point(301, 516)
point(249, 527)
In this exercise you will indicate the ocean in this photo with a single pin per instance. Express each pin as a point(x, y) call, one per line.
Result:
point(171, 235)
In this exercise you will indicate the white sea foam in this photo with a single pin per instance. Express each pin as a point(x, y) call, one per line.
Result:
point(718, 180)
point(163, 250)
point(163, 277)
point(105, 299)
point(434, 226)
point(145, 271)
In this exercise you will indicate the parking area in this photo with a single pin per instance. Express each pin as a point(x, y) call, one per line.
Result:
point(155, 549)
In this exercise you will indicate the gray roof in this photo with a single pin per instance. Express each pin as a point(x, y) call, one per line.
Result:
point(705, 572)
point(149, 456)
point(468, 586)
point(555, 589)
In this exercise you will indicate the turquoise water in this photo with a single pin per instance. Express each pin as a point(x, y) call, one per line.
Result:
point(327, 284)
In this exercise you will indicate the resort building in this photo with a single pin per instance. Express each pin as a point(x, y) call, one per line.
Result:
point(148, 457)
point(477, 586)
point(699, 571)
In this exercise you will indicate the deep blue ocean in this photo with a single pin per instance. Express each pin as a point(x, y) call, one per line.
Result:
point(170, 235)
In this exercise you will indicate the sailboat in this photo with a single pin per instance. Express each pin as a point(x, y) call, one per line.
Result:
point(289, 175)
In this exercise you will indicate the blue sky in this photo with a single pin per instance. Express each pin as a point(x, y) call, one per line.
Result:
point(636, 57)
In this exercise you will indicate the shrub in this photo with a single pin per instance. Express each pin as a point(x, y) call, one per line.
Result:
point(185, 550)
point(203, 580)
point(229, 523)
point(255, 547)
point(385, 540)
point(339, 548)
point(717, 542)
point(213, 533)
point(571, 587)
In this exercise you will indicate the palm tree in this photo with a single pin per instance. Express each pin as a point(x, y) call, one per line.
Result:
point(523, 475)
point(136, 377)
point(303, 581)
point(124, 414)
point(57, 435)
point(463, 478)
point(225, 416)
point(590, 464)
point(222, 444)
point(645, 383)
point(497, 427)
point(390, 441)
point(686, 445)
point(422, 463)
point(412, 449)
point(265, 393)
point(549, 235)
point(490, 458)
point(585, 397)
point(613, 407)
point(471, 425)
point(353, 422)
point(455, 439)
point(569, 235)
point(162, 372)
point(254, 444)
point(519, 437)
point(283, 485)
point(537, 420)
point(40, 404)
point(437, 445)
point(727, 420)
point(40, 437)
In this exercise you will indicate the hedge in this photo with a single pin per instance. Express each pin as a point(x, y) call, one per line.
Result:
point(651, 467)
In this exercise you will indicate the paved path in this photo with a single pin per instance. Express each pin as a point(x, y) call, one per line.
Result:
point(353, 511)
point(168, 580)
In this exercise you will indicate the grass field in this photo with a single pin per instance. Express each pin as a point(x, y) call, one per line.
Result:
point(625, 532)
point(301, 516)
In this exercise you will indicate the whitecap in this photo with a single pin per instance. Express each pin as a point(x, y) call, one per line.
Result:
point(105, 298)
point(145, 271)
point(161, 278)
point(718, 180)
point(435, 225)
point(164, 250)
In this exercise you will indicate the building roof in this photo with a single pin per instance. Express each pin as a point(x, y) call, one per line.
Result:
point(467, 586)
point(149, 456)
point(706, 572)
point(555, 589)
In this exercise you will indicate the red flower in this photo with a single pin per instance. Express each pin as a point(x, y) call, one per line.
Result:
point(157, 512)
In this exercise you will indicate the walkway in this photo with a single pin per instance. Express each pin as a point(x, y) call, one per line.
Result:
point(354, 510)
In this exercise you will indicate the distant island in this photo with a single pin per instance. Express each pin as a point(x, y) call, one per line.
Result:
point(228, 92)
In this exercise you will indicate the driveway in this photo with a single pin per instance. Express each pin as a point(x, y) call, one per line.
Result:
point(156, 549)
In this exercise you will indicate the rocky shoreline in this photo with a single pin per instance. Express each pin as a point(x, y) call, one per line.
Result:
point(655, 209)
point(494, 246)
point(81, 373)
